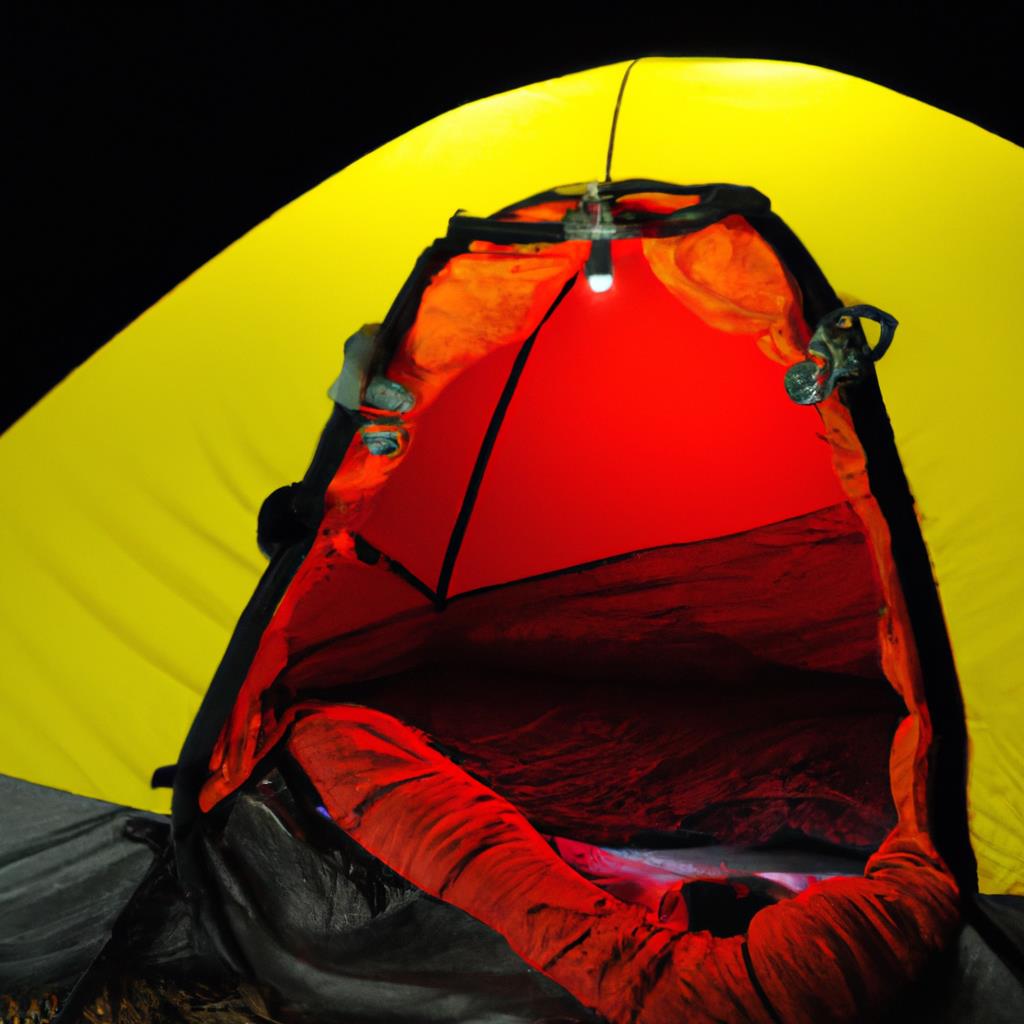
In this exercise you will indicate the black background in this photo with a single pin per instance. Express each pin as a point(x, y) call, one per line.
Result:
point(145, 137)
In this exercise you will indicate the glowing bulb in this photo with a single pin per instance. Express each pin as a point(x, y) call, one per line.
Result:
point(599, 269)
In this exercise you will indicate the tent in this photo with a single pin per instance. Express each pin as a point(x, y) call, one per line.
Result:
point(149, 589)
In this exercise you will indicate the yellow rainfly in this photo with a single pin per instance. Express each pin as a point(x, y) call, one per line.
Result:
point(127, 531)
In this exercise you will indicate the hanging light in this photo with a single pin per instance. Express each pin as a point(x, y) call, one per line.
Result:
point(593, 220)
point(598, 268)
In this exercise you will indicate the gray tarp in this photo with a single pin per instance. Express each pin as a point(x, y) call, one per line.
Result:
point(67, 870)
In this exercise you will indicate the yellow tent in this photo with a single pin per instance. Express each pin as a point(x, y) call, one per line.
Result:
point(128, 531)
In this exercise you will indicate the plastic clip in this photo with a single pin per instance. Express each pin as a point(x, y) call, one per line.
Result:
point(838, 353)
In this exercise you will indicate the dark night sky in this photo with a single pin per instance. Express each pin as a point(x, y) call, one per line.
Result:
point(146, 137)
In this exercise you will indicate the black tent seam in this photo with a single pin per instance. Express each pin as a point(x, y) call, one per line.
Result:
point(947, 819)
point(413, 580)
point(331, 448)
point(393, 565)
point(597, 563)
point(222, 693)
point(615, 119)
point(717, 202)
point(756, 982)
point(399, 569)
point(300, 657)
point(625, 187)
point(567, 570)
point(487, 446)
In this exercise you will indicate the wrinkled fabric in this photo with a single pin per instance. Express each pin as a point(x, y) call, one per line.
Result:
point(477, 303)
point(489, 300)
point(841, 948)
point(837, 952)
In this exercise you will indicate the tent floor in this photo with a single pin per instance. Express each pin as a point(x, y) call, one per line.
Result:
point(67, 869)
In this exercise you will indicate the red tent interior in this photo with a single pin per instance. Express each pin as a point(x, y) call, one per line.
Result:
point(601, 577)
point(616, 572)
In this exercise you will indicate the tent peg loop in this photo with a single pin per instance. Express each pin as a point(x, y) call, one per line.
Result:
point(838, 353)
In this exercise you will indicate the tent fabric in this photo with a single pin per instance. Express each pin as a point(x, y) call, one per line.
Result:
point(745, 461)
point(230, 354)
point(824, 717)
point(714, 487)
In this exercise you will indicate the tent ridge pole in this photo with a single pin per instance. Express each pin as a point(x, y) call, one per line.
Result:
point(615, 118)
